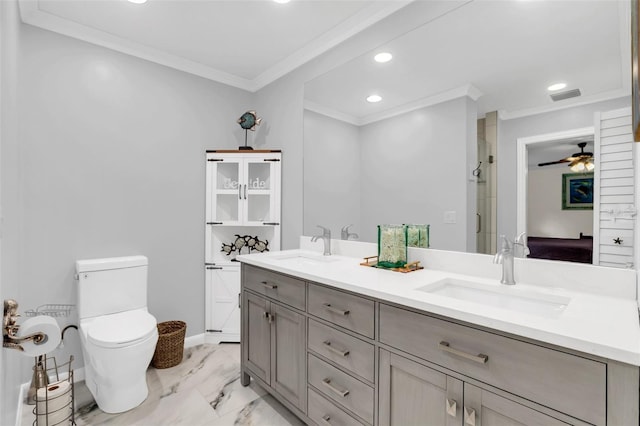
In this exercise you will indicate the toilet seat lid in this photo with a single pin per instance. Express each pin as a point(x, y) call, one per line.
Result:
point(122, 329)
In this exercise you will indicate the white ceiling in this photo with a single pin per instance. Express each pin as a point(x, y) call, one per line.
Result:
point(502, 53)
point(246, 44)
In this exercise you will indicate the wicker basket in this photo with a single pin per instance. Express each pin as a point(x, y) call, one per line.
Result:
point(170, 344)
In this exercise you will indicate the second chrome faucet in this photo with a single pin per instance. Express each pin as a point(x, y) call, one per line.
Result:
point(326, 237)
point(509, 250)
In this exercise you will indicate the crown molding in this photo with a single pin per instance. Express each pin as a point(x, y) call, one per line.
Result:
point(31, 14)
point(586, 100)
point(331, 113)
point(350, 27)
point(468, 90)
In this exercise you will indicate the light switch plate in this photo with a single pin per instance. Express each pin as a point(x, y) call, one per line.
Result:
point(450, 217)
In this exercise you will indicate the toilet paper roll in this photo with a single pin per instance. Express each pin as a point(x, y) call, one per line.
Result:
point(54, 403)
point(40, 324)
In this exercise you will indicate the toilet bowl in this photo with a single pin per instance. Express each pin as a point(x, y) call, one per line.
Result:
point(118, 348)
point(117, 333)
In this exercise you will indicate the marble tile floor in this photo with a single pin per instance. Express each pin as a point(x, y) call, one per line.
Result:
point(204, 389)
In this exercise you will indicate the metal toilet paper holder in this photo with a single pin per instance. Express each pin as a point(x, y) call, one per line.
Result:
point(10, 329)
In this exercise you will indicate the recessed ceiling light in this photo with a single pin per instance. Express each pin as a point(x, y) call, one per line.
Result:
point(374, 98)
point(282, 1)
point(383, 57)
point(137, 1)
point(557, 86)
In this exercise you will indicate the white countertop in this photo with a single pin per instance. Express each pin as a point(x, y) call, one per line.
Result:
point(591, 323)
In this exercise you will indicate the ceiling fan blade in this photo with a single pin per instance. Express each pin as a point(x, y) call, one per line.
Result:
point(564, 160)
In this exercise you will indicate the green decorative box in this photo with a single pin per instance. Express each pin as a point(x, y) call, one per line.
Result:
point(392, 246)
point(418, 236)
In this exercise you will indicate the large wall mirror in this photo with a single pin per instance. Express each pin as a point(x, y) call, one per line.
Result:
point(440, 146)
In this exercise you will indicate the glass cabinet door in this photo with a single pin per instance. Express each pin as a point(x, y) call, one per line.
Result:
point(225, 203)
point(260, 207)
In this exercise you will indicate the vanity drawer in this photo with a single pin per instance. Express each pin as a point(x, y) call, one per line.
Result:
point(342, 388)
point(347, 351)
point(276, 286)
point(346, 310)
point(324, 412)
point(565, 382)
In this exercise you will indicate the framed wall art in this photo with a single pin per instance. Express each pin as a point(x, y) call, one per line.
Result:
point(577, 191)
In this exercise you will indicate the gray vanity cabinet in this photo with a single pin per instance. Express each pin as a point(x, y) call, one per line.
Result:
point(411, 392)
point(336, 357)
point(484, 408)
point(256, 348)
point(274, 341)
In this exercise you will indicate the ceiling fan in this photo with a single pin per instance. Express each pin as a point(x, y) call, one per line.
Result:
point(579, 162)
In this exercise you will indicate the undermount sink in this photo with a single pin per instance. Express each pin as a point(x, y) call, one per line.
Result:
point(504, 297)
point(303, 259)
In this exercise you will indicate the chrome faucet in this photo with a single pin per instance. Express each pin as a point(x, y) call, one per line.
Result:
point(506, 255)
point(326, 237)
point(346, 235)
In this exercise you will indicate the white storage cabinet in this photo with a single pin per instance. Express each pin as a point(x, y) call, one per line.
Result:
point(243, 192)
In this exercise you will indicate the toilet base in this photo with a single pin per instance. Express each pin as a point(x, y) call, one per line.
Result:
point(114, 400)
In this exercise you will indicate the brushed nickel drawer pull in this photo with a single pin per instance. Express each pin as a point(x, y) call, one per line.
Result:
point(480, 358)
point(332, 388)
point(268, 285)
point(469, 416)
point(326, 419)
point(330, 308)
point(327, 344)
point(452, 407)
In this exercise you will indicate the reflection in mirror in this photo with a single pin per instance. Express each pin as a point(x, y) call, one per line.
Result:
point(440, 147)
point(559, 227)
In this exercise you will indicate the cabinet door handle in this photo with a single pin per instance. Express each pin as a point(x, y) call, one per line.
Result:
point(332, 388)
point(480, 358)
point(335, 310)
point(469, 416)
point(269, 316)
point(327, 344)
point(269, 285)
point(326, 419)
point(239, 192)
point(245, 191)
point(452, 407)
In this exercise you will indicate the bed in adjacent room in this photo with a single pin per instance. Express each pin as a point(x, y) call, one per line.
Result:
point(567, 249)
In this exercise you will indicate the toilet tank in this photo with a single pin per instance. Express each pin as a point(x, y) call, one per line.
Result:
point(111, 285)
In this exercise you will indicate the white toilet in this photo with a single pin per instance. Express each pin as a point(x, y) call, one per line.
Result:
point(117, 332)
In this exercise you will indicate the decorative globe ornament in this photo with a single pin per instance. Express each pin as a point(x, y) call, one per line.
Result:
point(248, 121)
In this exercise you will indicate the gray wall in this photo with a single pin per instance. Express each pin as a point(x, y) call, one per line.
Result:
point(508, 133)
point(108, 161)
point(11, 376)
point(412, 172)
point(332, 156)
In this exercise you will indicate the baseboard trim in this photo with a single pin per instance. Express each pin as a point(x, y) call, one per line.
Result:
point(195, 340)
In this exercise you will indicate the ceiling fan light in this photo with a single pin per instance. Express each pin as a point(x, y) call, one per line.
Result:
point(578, 167)
point(590, 166)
